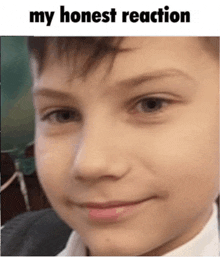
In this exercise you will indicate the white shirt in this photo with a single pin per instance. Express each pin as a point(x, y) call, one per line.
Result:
point(206, 243)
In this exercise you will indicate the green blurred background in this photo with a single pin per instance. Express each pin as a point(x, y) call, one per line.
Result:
point(17, 113)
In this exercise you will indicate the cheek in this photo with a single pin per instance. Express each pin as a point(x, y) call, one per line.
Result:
point(53, 160)
point(187, 160)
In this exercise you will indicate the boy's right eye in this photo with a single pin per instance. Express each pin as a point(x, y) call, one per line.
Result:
point(62, 116)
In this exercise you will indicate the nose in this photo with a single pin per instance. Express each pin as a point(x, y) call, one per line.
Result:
point(99, 154)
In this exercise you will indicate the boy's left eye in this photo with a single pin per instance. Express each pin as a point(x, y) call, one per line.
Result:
point(151, 104)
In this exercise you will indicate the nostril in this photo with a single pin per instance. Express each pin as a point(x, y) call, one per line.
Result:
point(106, 170)
point(95, 178)
point(90, 173)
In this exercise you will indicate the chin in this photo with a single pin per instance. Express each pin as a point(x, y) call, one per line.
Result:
point(107, 248)
point(112, 252)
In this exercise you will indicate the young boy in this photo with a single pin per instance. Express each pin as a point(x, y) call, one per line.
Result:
point(127, 146)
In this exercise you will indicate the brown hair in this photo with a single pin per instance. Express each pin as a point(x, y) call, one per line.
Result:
point(90, 50)
point(212, 45)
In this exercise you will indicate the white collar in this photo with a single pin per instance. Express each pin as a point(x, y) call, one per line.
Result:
point(74, 246)
point(206, 243)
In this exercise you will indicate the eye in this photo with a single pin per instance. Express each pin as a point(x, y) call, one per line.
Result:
point(62, 116)
point(151, 104)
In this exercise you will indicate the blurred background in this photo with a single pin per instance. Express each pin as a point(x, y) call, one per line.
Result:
point(20, 190)
point(17, 112)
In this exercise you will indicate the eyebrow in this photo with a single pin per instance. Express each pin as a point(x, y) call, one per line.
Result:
point(155, 75)
point(51, 93)
point(128, 83)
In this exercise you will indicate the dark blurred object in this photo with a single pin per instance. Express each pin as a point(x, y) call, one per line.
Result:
point(12, 200)
point(29, 151)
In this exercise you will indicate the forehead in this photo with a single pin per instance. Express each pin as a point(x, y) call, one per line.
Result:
point(157, 53)
point(142, 55)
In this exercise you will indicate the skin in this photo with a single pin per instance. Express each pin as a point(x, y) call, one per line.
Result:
point(115, 149)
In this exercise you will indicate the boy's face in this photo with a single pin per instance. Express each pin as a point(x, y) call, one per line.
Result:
point(148, 130)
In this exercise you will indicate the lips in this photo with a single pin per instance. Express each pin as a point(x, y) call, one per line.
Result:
point(112, 211)
point(112, 204)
